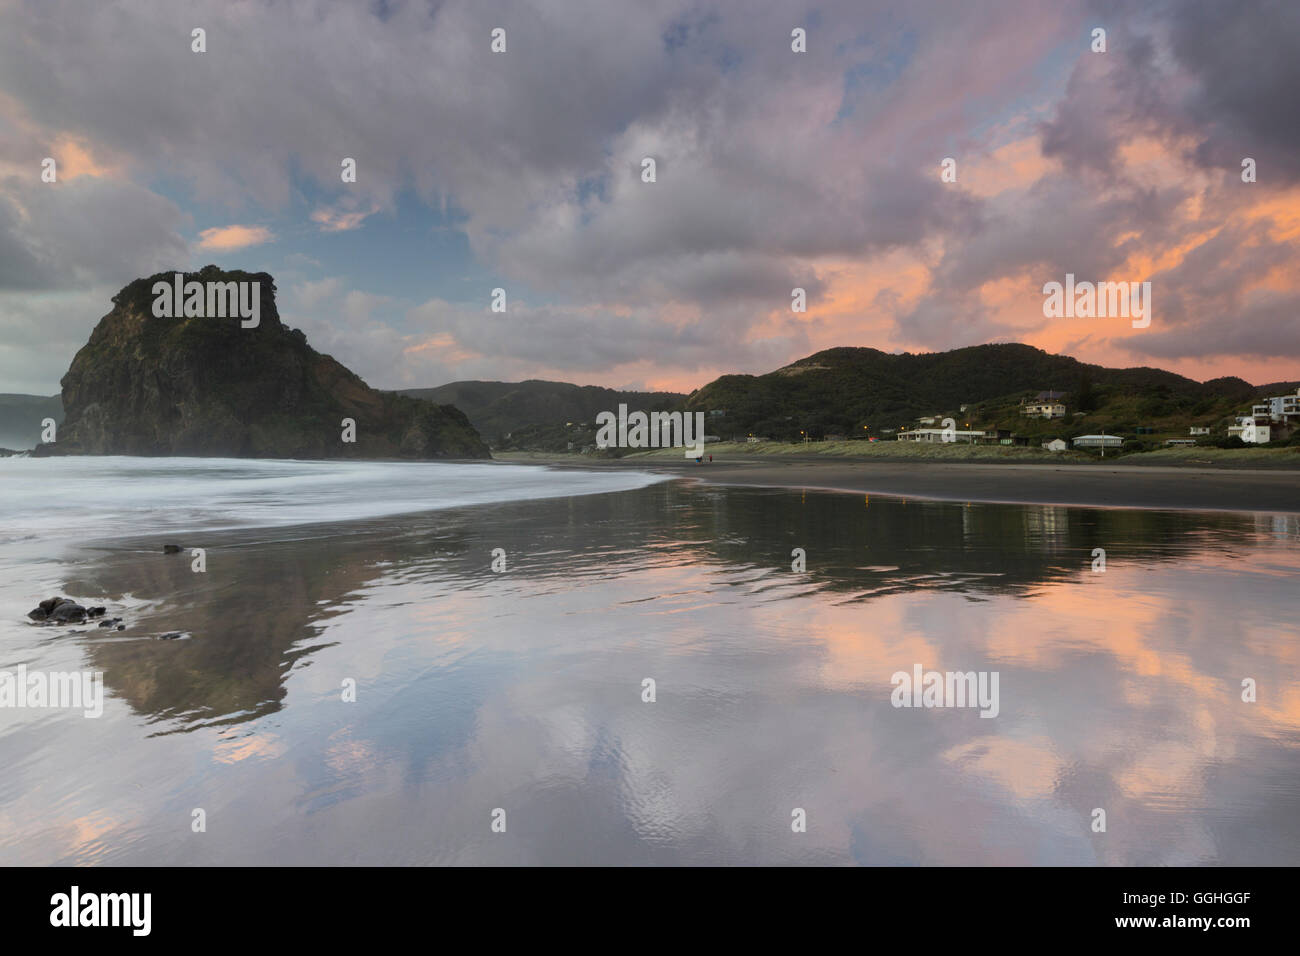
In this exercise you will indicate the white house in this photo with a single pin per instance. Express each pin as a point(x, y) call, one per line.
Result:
point(1251, 430)
point(937, 435)
point(1180, 441)
point(1056, 444)
point(1098, 441)
point(1197, 430)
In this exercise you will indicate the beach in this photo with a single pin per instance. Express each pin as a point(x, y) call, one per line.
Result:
point(635, 670)
point(1120, 485)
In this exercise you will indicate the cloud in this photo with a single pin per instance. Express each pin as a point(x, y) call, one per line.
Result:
point(775, 169)
point(229, 238)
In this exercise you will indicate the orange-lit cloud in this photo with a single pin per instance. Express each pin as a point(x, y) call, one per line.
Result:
point(228, 238)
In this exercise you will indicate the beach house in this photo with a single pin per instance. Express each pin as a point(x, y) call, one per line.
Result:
point(1098, 441)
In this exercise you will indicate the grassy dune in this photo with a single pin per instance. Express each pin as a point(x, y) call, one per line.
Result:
point(883, 450)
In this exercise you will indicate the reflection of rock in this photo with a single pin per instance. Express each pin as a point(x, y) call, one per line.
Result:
point(250, 621)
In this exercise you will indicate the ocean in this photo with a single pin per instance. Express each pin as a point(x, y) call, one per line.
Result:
point(435, 663)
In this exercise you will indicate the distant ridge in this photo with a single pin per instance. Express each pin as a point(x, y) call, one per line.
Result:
point(498, 408)
point(21, 417)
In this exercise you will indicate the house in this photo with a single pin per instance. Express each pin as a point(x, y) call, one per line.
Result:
point(928, 420)
point(1098, 441)
point(1279, 409)
point(1180, 441)
point(1197, 430)
point(1056, 444)
point(1042, 408)
point(755, 439)
point(937, 435)
point(1251, 430)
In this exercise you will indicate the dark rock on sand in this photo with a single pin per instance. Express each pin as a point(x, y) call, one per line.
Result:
point(171, 549)
point(169, 636)
point(61, 609)
point(69, 612)
point(95, 611)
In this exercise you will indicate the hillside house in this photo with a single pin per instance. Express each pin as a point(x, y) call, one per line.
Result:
point(1043, 405)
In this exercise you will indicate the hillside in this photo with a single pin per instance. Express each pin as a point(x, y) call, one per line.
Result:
point(498, 409)
point(21, 417)
point(207, 386)
point(849, 391)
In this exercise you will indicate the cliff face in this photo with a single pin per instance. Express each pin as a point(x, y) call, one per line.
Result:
point(208, 386)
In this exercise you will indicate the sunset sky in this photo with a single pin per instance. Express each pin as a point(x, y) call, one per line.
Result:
point(775, 170)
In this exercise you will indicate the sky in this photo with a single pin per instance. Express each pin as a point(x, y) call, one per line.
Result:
point(774, 170)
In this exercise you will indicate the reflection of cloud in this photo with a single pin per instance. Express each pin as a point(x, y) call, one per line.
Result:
point(260, 746)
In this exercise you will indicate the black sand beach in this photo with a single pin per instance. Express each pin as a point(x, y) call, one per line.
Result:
point(1090, 485)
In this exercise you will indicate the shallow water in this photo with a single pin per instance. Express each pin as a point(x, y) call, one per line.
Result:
point(522, 690)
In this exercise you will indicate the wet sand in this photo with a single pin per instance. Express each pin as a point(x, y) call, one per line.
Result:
point(1099, 485)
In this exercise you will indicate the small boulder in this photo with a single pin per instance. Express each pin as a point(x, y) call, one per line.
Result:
point(69, 612)
point(48, 610)
point(95, 611)
point(171, 549)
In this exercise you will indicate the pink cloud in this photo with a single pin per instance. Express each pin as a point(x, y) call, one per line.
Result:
point(228, 238)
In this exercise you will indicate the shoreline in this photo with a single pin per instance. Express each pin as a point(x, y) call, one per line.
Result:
point(1151, 487)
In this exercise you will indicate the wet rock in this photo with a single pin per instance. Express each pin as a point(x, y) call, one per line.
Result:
point(110, 622)
point(169, 636)
point(58, 609)
point(95, 611)
point(171, 549)
point(69, 612)
point(121, 627)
